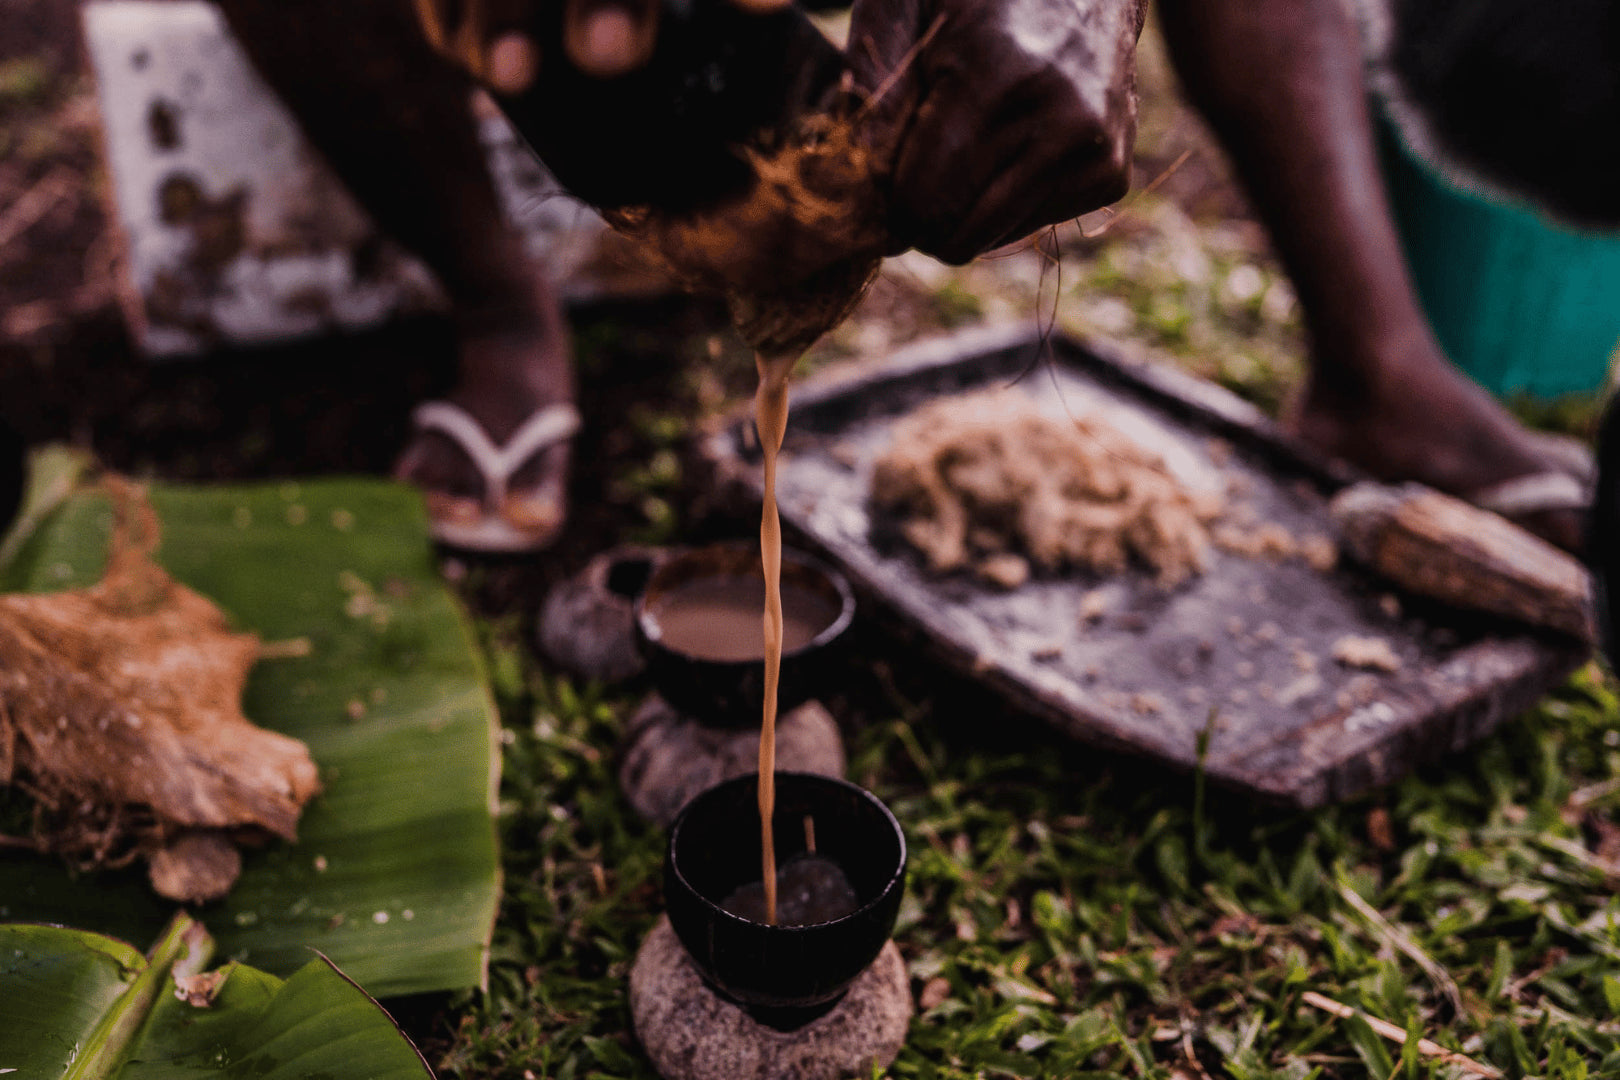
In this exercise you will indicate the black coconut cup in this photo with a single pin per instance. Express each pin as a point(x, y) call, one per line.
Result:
point(783, 975)
point(731, 693)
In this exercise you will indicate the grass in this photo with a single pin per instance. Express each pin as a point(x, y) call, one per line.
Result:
point(24, 80)
point(1072, 916)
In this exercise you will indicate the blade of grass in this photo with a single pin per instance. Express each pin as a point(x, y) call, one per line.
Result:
point(1387, 930)
point(53, 474)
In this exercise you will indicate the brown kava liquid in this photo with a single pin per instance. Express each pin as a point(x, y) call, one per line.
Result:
point(770, 418)
point(719, 618)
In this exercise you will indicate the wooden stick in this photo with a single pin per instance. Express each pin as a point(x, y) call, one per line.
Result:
point(1439, 546)
point(1398, 1035)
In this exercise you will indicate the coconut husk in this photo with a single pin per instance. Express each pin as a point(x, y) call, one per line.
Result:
point(120, 713)
point(794, 252)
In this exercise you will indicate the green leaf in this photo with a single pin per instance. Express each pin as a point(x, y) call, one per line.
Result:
point(1411, 1057)
point(1171, 856)
point(610, 1054)
point(76, 982)
point(53, 473)
point(81, 1006)
point(395, 873)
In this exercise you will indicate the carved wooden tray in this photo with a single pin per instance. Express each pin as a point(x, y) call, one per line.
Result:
point(1244, 652)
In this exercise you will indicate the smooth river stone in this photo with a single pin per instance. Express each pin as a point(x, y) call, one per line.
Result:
point(691, 1033)
point(669, 758)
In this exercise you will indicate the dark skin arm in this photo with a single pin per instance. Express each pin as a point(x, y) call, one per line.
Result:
point(998, 116)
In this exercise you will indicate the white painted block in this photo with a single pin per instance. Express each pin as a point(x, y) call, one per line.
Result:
point(237, 232)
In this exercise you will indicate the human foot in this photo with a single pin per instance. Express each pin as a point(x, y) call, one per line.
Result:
point(1426, 422)
point(492, 460)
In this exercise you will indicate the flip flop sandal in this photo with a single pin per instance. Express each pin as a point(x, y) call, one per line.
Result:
point(1568, 455)
point(1537, 493)
point(1567, 485)
point(500, 522)
point(1521, 499)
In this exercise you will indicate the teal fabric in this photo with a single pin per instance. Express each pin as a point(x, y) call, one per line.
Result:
point(1519, 302)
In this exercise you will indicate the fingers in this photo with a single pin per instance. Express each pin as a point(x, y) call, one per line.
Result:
point(512, 64)
point(603, 38)
point(609, 38)
point(466, 34)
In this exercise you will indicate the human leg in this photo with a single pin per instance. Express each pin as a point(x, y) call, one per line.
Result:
point(392, 118)
point(1281, 82)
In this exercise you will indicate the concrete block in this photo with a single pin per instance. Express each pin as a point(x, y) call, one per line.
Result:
point(236, 231)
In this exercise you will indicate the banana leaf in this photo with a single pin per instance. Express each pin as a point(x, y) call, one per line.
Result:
point(395, 873)
point(82, 1006)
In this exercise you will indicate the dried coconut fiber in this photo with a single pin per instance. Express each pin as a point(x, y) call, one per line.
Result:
point(120, 714)
point(795, 252)
point(974, 478)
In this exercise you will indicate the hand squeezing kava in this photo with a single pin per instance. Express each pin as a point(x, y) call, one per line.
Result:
point(758, 161)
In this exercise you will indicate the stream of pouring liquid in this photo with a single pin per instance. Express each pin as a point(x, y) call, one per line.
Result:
point(770, 419)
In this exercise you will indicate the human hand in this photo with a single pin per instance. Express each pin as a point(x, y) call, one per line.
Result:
point(603, 38)
point(996, 116)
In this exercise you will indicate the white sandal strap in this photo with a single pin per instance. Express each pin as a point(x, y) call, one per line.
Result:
point(550, 425)
point(496, 464)
point(1533, 494)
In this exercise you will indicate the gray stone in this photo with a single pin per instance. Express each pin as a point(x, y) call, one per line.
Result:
point(587, 623)
point(691, 1033)
point(196, 866)
point(669, 758)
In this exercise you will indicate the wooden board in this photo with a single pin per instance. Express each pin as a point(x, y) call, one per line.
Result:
point(1244, 651)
